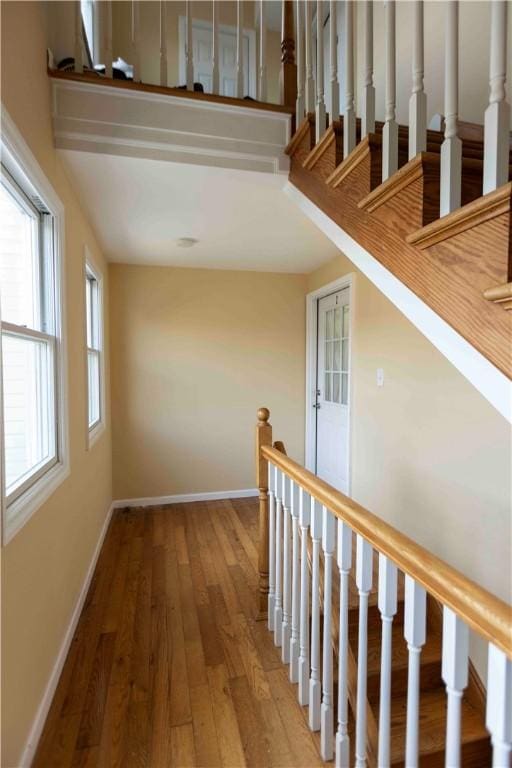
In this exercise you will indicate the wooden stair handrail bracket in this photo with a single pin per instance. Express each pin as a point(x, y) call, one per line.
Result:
point(263, 440)
point(482, 611)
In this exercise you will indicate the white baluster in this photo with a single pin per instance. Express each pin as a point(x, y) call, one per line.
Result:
point(368, 109)
point(333, 50)
point(364, 576)
point(344, 565)
point(278, 602)
point(108, 38)
point(299, 110)
point(497, 114)
point(315, 687)
point(418, 100)
point(263, 54)
point(304, 518)
point(294, 639)
point(287, 599)
point(79, 65)
point(163, 43)
point(415, 634)
point(326, 711)
point(136, 40)
point(387, 608)
point(498, 717)
point(215, 47)
point(349, 114)
point(189, 51)
point(455, 676)
point(239, 50)
point(451, 148)
point(310, 81)
point(390, 130)
point(320, 104)
point(271, 546)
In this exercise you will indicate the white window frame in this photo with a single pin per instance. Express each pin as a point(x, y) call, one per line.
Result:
point(94, 431)
point(24, 168)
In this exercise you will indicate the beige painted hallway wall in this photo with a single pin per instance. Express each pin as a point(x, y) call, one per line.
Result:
point(44, 566)
point(194, 354)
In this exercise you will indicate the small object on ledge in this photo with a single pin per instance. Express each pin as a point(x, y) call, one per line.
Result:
point(198, 87)
point(500, 294)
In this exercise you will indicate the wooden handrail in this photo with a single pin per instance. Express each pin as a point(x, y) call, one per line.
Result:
point(485, 613)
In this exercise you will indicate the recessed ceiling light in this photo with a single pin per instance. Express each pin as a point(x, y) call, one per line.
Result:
point(186, 242)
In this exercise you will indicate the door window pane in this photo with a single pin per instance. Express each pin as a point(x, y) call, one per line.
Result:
point(327, 395)
point(337, 323)
point(344, 388)
point(337, 356)
point(336, 387)
point(329, 324)
point(345, 321)
point(344, 355)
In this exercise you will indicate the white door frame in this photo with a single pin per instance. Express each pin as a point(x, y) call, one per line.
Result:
point(347, 281)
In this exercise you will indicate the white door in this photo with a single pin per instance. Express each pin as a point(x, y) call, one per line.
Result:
point(332, 392)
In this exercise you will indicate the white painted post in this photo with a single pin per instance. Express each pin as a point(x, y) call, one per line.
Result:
point(387, 608)
point(136, 40)
point(189, 52)
point(163, 43)
point(294, 639)
point(79, 63)
point(415, 634)
point(278, 602)
point(315, 687)
point(497, 114)
point(299, 45)
point(326, 712)
point(271, 546)
point(239, 50)
point(455, 676)
point(333, 50)
point(215, 47)
point(418, 100)
point(320, 103)
point(304, 518)
point(344, 565)
point(287, 599)
point(263, 54)
point(364, 575)
point(451, 148)
point(498, 717)
point(390, 130)
point(310, 81)
point(368, 107)
point(349, 114)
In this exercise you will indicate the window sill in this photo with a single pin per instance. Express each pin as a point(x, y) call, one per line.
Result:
point(94, 434)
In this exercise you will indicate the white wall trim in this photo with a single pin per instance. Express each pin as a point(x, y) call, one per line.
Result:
point(483, 375)
point(44, 707)
point(184, 498)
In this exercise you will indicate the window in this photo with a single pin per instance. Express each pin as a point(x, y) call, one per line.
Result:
point(87, 8)
point(93, 305)
point(336, 354)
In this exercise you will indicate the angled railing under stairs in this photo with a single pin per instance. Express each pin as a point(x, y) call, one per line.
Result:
point(380, 649)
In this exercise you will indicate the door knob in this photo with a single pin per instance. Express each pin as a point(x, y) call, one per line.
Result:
point(316, 405)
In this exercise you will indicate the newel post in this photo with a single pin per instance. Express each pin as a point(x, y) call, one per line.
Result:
point(288, 78)
point(263, 437)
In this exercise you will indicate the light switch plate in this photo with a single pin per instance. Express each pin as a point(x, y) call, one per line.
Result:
point(380, 377)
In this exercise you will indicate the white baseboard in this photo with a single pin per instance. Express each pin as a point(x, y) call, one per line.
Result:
point(43, 709)
point(184, 498)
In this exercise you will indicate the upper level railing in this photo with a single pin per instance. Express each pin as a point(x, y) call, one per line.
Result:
point(295, 504)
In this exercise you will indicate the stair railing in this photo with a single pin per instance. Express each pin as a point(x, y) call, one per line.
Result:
point(288, 492)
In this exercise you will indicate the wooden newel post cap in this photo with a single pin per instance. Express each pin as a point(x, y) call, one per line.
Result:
point(263, 415)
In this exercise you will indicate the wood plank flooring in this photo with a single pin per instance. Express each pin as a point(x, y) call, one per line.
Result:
point(168, 666)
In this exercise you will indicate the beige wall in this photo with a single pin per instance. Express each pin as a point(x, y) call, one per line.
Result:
point(194, 354)
point(44, 566)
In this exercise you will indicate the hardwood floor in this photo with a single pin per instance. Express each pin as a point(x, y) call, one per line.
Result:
point(168, 666)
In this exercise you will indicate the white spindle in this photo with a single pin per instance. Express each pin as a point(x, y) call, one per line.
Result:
point(320, 103)
point(497, 114)
point(263, 54)
point(364, 574)
point(163, 42)
point(79, 65)
point(344, 565)
point(333, 51)
point(294, 639)
point(136, 40)
point(299, 44)
point(310, 81)
point(455, 676)
point(499, 706)
point(239, 50)
point(108, 38)
point(387, 608)
point(368, 107)
point(315, 687)
point(390, 130)
point(304, 518)
point(215, 47)
point(278, 602)
point(189, 53)
point(451, 148)
point(326, 712)
point(271, 546)
point(418, 100)
point(287, 599)
point(415, 634)
point(349, 114)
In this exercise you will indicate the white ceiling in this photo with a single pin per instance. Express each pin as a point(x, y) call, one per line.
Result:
point(242, 219)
